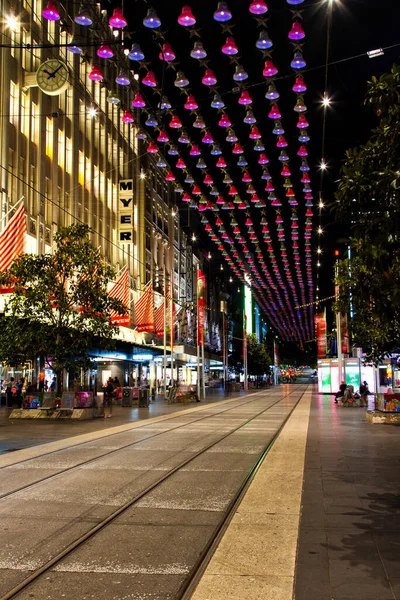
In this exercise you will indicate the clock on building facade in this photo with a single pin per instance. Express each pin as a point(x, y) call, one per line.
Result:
point(52, 77)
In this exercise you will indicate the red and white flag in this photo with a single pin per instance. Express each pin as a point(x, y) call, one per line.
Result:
point(159, 320)
point(12, 241)
point(144, 309)
point(120, 290)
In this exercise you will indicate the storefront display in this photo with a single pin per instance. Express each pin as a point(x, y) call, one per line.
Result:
point(388, 402)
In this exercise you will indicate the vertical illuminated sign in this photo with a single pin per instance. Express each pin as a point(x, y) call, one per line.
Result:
point(125, 211)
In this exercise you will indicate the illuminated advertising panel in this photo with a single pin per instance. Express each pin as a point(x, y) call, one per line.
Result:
point(352, 368)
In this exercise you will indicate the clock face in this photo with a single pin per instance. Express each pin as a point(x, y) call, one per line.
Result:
point(52, 77)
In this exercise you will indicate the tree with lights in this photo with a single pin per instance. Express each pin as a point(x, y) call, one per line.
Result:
point(369, 191)
point(258, 358)
point(59, 309)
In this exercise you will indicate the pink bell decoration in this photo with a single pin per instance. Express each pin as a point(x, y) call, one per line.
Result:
point(50, 11)
point(232, 191)
point(186, 197)
point(208, 180)
point(95, 74)
point(269, 69)
point(191, 103)
point(299, 86)
point(224, 121)
point(269, 187)
point(245, 98)
point(230, 47)
point(220, 200)
point(167, 53)
point(255, 198)
point(209, 78)
point(274, 113)
point(149, 79)
point(127, 117)
point(117, 20)
point(309, 212)
point(196, 191)
point(170, 176)
point(281, 143)
point(105, 51)
point(186, 18)
point(302, 151)
point(221, 163)
point(254, 134)
point(207, 138)
point(180, 164)
point(305, 178)
point(246, 177)
point(296, 33)
point(308, 196)
point(175, 122)
point(152, 148)
point(138, 101)
point(194, 151)
point(290, 193)
point(163, 136)
point(237, 149)
point(258, 7)
point(285, 171)
point(302, 123)
point(263, 160)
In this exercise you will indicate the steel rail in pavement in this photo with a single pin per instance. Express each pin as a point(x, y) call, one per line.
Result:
point(89, 534)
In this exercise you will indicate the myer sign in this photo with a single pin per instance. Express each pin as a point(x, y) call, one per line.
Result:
point(125, 211)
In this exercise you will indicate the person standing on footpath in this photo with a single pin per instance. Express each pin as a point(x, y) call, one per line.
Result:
point(364, 393)
point(108, 396)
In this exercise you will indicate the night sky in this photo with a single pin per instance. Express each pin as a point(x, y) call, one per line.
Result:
point(357, 26)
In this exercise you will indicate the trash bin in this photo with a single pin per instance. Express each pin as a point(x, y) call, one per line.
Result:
point(126, 396)
point(144, 398)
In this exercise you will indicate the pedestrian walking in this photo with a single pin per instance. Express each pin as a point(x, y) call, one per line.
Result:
point(364, 393)
point(108, 396)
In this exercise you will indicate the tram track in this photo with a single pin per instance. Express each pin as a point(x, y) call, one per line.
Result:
point(191, 580)
point(109, 452)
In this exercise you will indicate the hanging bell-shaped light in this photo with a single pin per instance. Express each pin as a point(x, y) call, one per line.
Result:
point(191, 103)
point(249, 118)
point(254, 134)
point(300, 107)
point(180, 164)
point(189, 179)
point(272, 93)
point(305, 178)
point(217, 102)
point(127, 117)
point(50, 11)
point(230, 48)
point(263, 42)
point(269, 69)
point(105, 51)
point(198, 51)
point(237, 149)
point(95, 74)
point(207, 138)
point(151, 121)
point(246, 177)
point(201, 164)
point(138, 101)
point(285, 171)
point(135, 53)
point(283, 156)
point(240, 74)
point(259, 146)
point(227, 179)
point(304, 165)
point(266, 175)
point(152, 148)
point(302, 123)
point(258, 7)
point(149, 79)
point(122, 78)
point(170, 176)
point(231, 136)
point(304, 137)
point(274, 113)
point(186, 18)
point(281, 142)
point(296, 33)
point(173, 150)
point(163, 136)
point(75, 46)
point(208, 179)
point(298, 61)
point(175, 122)
point(164, 104)
point(184, 138)
point(113, 98)
point(167, 54)
point(269, 187)
point(294, 2)
point(263, 160)
point(209, 78)
point(245, 98)
point(222, 14)
point(278, 129)
point(151, 20)
point(83, 17)
point(141, 135)
point(195, 151)
point(117, 20)
point(181, 81)
point(199, 122)
point(216, 150)
point(186, 197)
point(299, 86)
point(224, 121)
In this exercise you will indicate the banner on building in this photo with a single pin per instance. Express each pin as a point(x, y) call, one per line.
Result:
point(201, 292)
point(12, 242)
point(120, 290)
point(144, 311)
point(125, 212)
point(344, 330)
point(159, 320)
point(320, 328)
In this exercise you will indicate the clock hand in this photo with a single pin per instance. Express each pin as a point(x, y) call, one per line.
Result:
point(54, 72)
point(48, 72)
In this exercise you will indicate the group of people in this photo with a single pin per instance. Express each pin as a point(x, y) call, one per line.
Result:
point(112, 389)
point(347, 395)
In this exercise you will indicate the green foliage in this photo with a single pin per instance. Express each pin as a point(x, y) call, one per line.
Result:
point(368, 194)
point(258, 359)
point(59, 309)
